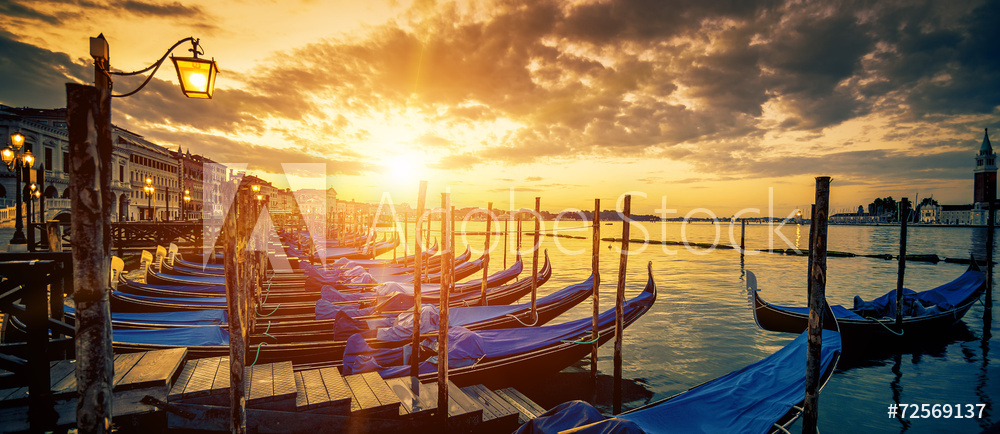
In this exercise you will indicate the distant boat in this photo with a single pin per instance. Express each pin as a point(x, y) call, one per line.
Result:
point(925, 313)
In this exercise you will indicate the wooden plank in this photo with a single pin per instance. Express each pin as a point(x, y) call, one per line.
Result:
point(155, 368)
point(528, 408)
point(66, 385)
point(284, 380)
point(301, 396)
point(13, 394)
point(60, 370)
point(124, 364)
point(262, 384)
point(380, 389)
point(364, 398)
point(414, 403)
point(203, 378)
point(335, 385)
point(221, 381)
point(505, 418)
point(460, 403)
point(313, 392)
point(177, 391)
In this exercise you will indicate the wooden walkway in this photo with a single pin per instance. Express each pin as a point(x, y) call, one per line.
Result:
point(282, 400)
point(137, 375)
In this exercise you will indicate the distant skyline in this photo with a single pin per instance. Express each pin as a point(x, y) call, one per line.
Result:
point(707, 104)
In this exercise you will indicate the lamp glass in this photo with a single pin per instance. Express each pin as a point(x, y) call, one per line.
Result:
point(28, 159)
point(17, 140)
point(8, 155)
point(197, 76)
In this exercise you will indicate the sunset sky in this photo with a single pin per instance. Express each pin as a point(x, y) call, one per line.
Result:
point(708, 103)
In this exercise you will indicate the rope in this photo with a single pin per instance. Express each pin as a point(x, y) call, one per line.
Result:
point(522, 322)
point(269, 329)
point(272, 312)
point(900, 333)
point(255, 357)
point(590, 342)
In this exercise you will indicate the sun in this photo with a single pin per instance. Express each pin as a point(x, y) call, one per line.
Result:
point(403, 170)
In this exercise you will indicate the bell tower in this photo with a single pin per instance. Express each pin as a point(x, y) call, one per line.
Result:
point(985, 188)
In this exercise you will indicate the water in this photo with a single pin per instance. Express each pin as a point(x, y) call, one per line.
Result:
point(701, 326)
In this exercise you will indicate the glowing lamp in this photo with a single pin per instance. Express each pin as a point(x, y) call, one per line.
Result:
point(28, 159)
point(197, 76)
point(8, 156)
point(17, 140)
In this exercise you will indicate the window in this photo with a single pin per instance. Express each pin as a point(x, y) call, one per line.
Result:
point(121, 172)
point(48, 158)
point(65, 162)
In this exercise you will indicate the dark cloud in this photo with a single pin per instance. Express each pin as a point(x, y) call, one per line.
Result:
point(11, 9)
point(175, 9)
point(34, 77)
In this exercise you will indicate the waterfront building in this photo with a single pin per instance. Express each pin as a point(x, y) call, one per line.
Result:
point(148, 165)
point(192, 176)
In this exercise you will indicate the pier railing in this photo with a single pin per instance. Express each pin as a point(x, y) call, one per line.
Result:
point(128, 234)
point(31, 281)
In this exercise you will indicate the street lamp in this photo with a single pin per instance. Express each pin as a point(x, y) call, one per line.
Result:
point(149, 189)
point(17, 162)
point(31, 202)
point(187, 200)
point(38, 195)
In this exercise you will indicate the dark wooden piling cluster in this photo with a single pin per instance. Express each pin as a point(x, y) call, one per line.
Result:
point(619, 303)
point(904, 214)
point(244, 271)
point(817, 302)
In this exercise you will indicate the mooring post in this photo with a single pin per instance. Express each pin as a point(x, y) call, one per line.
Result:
point(988, 304)
point(619, 305)
point(414, 356)
point(534, 261)
point(234, 243)
point(406, 240)
point(54, 233)
point(595, 270)
point(817, 303)
point(88, 117)
point(506, 239)
point(446, 264)
point(486, 252)
point(809, 266)
point(904, 213)
point(743, 236)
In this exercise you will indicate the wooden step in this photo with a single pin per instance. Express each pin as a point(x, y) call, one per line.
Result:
point(527, 408)
point(136, 375)
point(322, 391)
point(268, 386)
point(498, 414)
point(371, 396)
point(464, 412)
point(415, 398)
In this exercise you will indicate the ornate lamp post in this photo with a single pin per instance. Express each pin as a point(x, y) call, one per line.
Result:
point(149, 189)
point(33, 188)
point(17, 161)
point(41, 217)
point(187, 200)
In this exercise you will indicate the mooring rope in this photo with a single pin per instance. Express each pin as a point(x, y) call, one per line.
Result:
point(522, 322)
point(590, 342)
point(258, 353)
point(900, 333)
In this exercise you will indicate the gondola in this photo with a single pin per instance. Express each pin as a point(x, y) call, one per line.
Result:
point(764, 397)
point(502, 356)
point(861, 327)
point(315, 348)
point(122, 301)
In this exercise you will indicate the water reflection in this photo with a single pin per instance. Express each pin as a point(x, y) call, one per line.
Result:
point(897, 391)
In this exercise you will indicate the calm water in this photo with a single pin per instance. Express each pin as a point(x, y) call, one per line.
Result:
point(701, 326)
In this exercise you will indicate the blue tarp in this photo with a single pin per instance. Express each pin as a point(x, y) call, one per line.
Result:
point(195, 301)
point(929, 302)
point(194, 317)
point(389, 362)
point(572, 414)
point(751, 399)
point(178, 336)
point(840, 312)
point(209, 289)
point(192, 280)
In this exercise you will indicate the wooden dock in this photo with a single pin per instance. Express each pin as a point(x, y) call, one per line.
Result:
point(137, 375)
point(282, 400)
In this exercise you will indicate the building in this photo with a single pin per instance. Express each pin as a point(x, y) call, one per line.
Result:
point(984, 193)
point(985, 174)
point(148, 164)
point(192, 180)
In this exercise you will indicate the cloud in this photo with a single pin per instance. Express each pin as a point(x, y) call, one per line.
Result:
point(34, 77)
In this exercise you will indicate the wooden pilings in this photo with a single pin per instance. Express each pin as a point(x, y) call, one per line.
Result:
point(817, 303)
point(486, 252)
point(506, 239)
point(904, 214)
point(619, 306)
point(988, 304)
point(595, 269)
point(421, 202)
point(534, 261)
point(88, 117)
point(447, 262)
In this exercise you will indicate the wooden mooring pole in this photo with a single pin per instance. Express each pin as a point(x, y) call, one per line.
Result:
point(418, 225)
point(446, 269)
point(406, 240)
point(486, 252)
point(88, 117)
point(619, 306)
point(988, 304)
point(506, 239)
point(595, 270)
point(234, 245)
point(904, 213)
point(534, 261)
point(817, 302)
